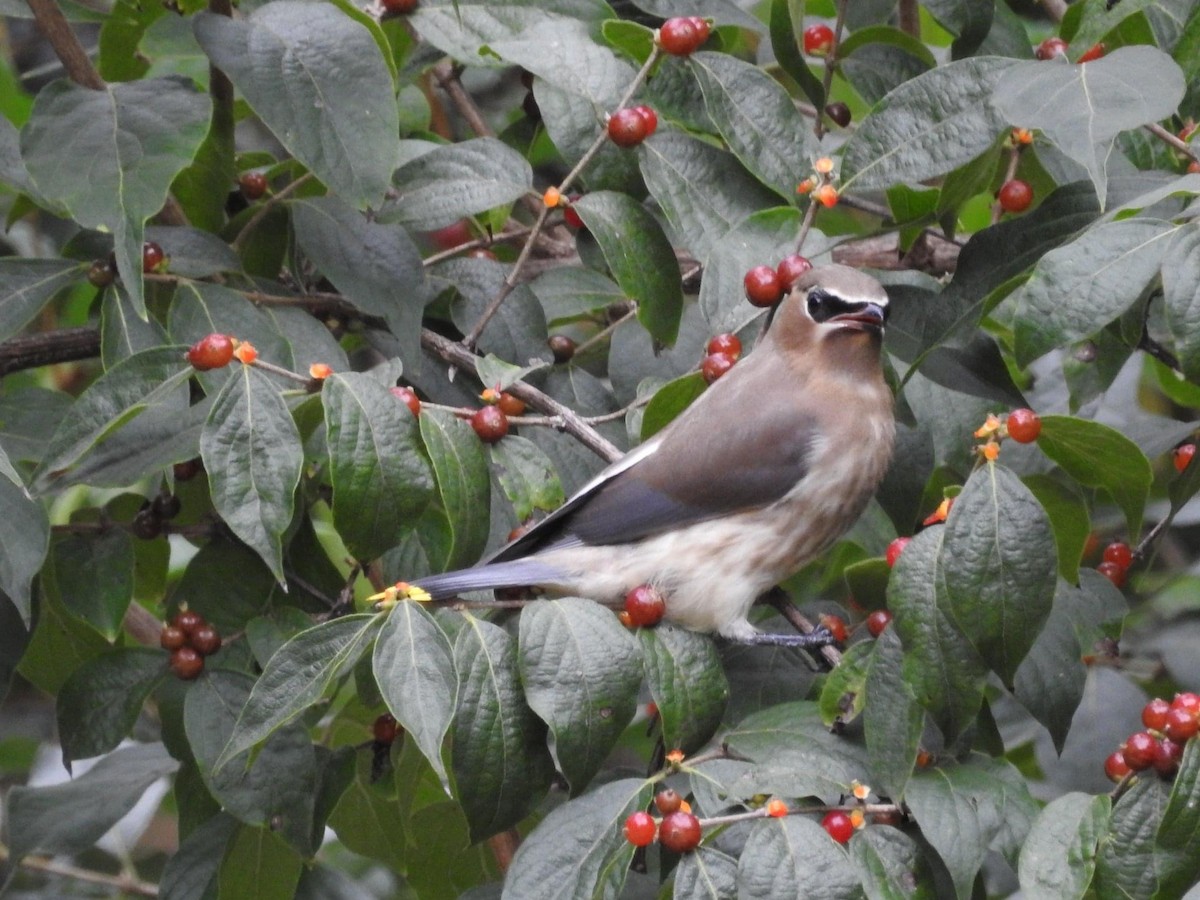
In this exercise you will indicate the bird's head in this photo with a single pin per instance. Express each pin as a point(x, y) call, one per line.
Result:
point(833, 311)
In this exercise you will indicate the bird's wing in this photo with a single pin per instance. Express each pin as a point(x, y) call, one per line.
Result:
point(707, 464)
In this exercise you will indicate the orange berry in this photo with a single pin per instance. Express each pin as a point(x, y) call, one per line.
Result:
point(245, 352)
point(826, 195)
point(552, 197)
point(777, 809)
point(319, 371)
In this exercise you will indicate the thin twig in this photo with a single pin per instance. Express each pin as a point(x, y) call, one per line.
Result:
point(910, 18)
point(57, 31)
point(606, 332)
point(501, 238)
point(1174, 140)
point(125, 883)
point(263, 210)
point(830, 65)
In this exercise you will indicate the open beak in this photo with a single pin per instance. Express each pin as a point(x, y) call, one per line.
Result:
point(866, 317)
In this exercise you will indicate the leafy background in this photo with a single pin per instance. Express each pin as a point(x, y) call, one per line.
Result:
point(394, 145)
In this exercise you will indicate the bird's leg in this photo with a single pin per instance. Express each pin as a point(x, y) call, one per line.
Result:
point(821, 637)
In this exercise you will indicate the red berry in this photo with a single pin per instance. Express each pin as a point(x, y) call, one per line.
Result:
point(454, 235)
point(1139, 750)
point(1167, 754)
point(211, 352)
point(683, 36)
point(562, 347)
point(679, 832)
point(1188, 701)
point(878, 621)
point(1015, 196)
point(894, 549)
point(188, 469)
point(205, 640)
point(715, 365)
point(188, 621)
point(1183, 455)
point(1119, 552)
point(166, 506)
point(1115, 766)
point(726, 343)
point(763, 286)
point(172, 638)
point(186, 663)
point(510, 405)
point(153, 258)
point(668, 800)
point(839, 112)
point(409, 398)
point(627, 128)
point(147, 524)
point(490, 423)
point(253, 185)
point(838, 825)
point(1154, 714)
point(399, 7)
point(1180, 724)
point(1094, 52)
point(1112, 572)
point(818, 40)
point(384, 729)
point(1024, 426)
point(836, 626)
point(639, 829)
point(1050, 48)
point(650, 117)
point(102, 273)
point(645, 606)
point(571, 217)
point(791, 269)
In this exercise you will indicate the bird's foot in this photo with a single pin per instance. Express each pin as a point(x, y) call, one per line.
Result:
point(820, 637)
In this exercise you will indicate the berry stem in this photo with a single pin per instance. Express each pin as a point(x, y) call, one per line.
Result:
point(265, 208)
point(1173, 140)
point(503, 237)
point(831, 61)
point(1010, 172)
point(280, 370)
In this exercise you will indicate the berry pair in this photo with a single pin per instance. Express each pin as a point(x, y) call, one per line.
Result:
point(679, 830)
point(722, 352)
point(1118, 557)
point(629, 127)
point(190, 639)
point(683, 35)
point(765, 286)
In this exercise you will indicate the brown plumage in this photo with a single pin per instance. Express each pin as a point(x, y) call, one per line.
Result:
point(762, 473)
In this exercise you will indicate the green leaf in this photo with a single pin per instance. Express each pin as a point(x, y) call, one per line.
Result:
point(122, 332)
point(191, 870)
point(501, 766)
point(317, 79)
point(967, 20)
point(892, 866)
point(297, 677)
point(527, 476)
point(414, 667)
point(998, 567)
point(25, 537)
point(442, 186)
point(640, 257)
point(892, 720)
point(581, 670)
point(579, 849)
point(842, 695)
point(1179, 832)
point(940, 664)
point(756, 118)
point(71, 817)
point(146, 380)
point(688, 685)
point(1181, 296)
point(135, 136)
point(1129, 860)
point(1059, 856)
point(669, 401)
point(1081, 108)
point(786, 47)
point(94, 575)
point(965, 808)
point(1068, 517)
point(251, 451)
point(277, 787)
point(259, 863)
point(794, 857)
point(369, 819)
point(1080, 287)
point(100, 701)
point(1100, 457)
point(930, 125)
point(26, 285)
point(456, 531)
point(706, 874)
point(381, 479)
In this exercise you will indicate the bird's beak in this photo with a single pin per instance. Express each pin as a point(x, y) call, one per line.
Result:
point(864, 317)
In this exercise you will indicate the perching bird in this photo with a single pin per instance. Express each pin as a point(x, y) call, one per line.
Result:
point(768, 468)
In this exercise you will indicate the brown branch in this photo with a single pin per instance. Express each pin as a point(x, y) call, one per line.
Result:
point(910, 18)
point(36, 350)
point(57, 30)
point(123, 883)
point(1173, 140)
point(447, 78)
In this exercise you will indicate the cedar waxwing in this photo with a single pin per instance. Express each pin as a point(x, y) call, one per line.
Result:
point(768, 468)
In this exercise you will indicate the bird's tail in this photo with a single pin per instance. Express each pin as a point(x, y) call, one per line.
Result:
point(514, 573)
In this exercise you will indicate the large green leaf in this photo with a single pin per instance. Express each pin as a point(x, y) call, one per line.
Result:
point(892, 718)
point(93, 574)
point(456, 530)
point(1059, 858)
point(527, 476)
point(1130, 862)
point(381, 479)
point(1179, 833)
point(639, 256)
point(581, 670)
point(251, 451)
point(1181, 296)
point(688, 685)
point(1081, 108)
point(317, 79)
point(25, 536)
point(101, 700)
point(135, 137)
point(784, 42)
point(793, 857)
point(26, 285)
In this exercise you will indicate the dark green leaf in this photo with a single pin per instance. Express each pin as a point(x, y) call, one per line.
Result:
point(706, 874)
point(786, 45)
point(251, 451)
point(501, 766)
point(1179, 832)
point(1059, 856)
point(317, 79)
point(517, 332)
point(1068, 517)
point(193, 867)
point(581, 670)
point(892, 719)
point(968, 20)
point(794, 857)
point(998, 567)
point(687, 683)
point(297, 677)
point(71, 817)
point(228, 603)
point(669, 401)
point(94, 575)
point(26, 285)
point(527, 476)
point(381, 479)
point(136, 137)
point(369, 819)
point(1181, 296)
point(640, 257)
point(842, 696)
point(25, 536)
point(14, 639)
point(414, 666)
point(1128, 864)
point(101, 700)
point(258, 863)
point(455, 532)
point(891, 865)
point(122, 332)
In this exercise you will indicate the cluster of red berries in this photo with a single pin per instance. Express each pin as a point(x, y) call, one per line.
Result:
point(1168, 727)
point(644, 607)
point(190, 639)
point(876, 622)
point(765, 286)
point(679, 831)
point(1053, 47)
point(682, 36)
point(490, 422)
point(630, 126)
point(722, 352)
point(1114, 565)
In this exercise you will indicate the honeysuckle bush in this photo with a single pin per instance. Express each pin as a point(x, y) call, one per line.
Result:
point(393, 145)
